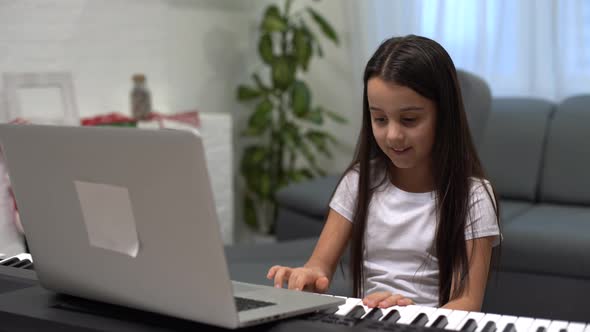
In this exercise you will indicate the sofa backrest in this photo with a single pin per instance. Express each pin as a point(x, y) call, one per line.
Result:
point(513, 145)
point(566, 172)
point(477, 100)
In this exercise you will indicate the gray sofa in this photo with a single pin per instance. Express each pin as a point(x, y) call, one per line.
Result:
point(537, 155)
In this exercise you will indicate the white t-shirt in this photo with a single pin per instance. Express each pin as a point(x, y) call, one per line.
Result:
point(400, 236)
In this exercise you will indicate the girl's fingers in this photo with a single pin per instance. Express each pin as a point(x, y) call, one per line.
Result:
point(390, 301)
point(322, 284)
point(373, 299)
point(282, 276)
point(404, 301)
point(293, 279)
point(272, 271)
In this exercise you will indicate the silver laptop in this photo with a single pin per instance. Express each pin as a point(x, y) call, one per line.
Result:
point(126, 216)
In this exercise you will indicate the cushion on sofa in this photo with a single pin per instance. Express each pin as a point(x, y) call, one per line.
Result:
point(509, 209)
point(512, 148)
point(310, 197)
point(548, 239)
point(565, 177)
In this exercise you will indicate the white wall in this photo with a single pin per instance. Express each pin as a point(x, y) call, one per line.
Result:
point(194, 53)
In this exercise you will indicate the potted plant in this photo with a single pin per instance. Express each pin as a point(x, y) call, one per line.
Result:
point(285, 123)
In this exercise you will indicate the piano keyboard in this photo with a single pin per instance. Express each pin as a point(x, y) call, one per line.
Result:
point(355, 313)
point(22, 261)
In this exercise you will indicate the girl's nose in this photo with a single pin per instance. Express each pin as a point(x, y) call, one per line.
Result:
point(394, 133)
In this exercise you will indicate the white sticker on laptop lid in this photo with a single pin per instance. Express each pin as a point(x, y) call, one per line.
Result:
point(108, 217)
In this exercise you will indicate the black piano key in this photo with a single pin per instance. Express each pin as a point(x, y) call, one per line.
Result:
point(22, 263)
point(440, 322)
point(470, 326)
point(489, 327)
point(392, 316)
point(11, 261)
point(511, 328)
point(541, 329)
point(562, 330)
point(331, 310)
point(374, 314)
point(356, 312)
point(420, 320)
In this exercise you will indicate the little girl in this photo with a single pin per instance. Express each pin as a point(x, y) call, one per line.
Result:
point(415, 204)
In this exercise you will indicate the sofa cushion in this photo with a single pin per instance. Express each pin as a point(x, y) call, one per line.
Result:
point(512, 149)
point(510, 209)
point(309, 197)
point(565, 177)
point(548, 239)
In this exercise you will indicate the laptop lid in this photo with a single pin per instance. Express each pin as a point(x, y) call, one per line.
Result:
point(102, 206)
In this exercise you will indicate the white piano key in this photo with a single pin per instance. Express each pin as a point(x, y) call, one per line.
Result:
point(523, 324)
point(408, 314)
point(476, 316)
point(557, 325)
point(587, 329)
point(19, 256)
point(345, 308)
point(437, 313)
point(488, 318)
point(538, 323)
point(505, 320)
point(455, 318)
point(576, 327)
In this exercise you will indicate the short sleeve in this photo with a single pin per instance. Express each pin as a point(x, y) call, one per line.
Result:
point(344, 199)
point(483, 221)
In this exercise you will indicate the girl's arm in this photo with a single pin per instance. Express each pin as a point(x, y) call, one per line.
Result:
point(480, 252)
point(331, 244)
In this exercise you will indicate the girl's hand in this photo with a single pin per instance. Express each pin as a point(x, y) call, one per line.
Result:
point(301, 278)
point(385, 300)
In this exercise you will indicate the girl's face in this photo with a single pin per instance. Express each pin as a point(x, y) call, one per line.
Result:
point(403, 123)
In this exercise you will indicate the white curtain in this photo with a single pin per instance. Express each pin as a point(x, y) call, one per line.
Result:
point(538, 48)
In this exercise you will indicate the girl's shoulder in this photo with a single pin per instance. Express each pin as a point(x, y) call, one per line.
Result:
point(481, 188)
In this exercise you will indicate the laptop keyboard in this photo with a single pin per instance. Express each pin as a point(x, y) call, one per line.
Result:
point(244, 304)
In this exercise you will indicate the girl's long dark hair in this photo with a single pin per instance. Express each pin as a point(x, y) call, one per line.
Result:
point(424, 66)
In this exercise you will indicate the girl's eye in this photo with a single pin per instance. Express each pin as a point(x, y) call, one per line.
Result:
point(379, 119)
point(409, 120)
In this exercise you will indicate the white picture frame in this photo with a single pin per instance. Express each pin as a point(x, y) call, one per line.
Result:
point(44, 98)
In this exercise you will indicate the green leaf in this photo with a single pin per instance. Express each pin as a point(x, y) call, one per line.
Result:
point(254, 158)
point(302, 47)
point(261, 119)
point(247, 93)
point(334, 116)
point(283, 72)
point(290, 135)
point(313, 39)
point(319, 140)
point(250, 213)
point(273, 22)
point(324, 25)
point(259, 83)
point(315, 117)
point(265, 48)
point(300, 99)
point(265, 187)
